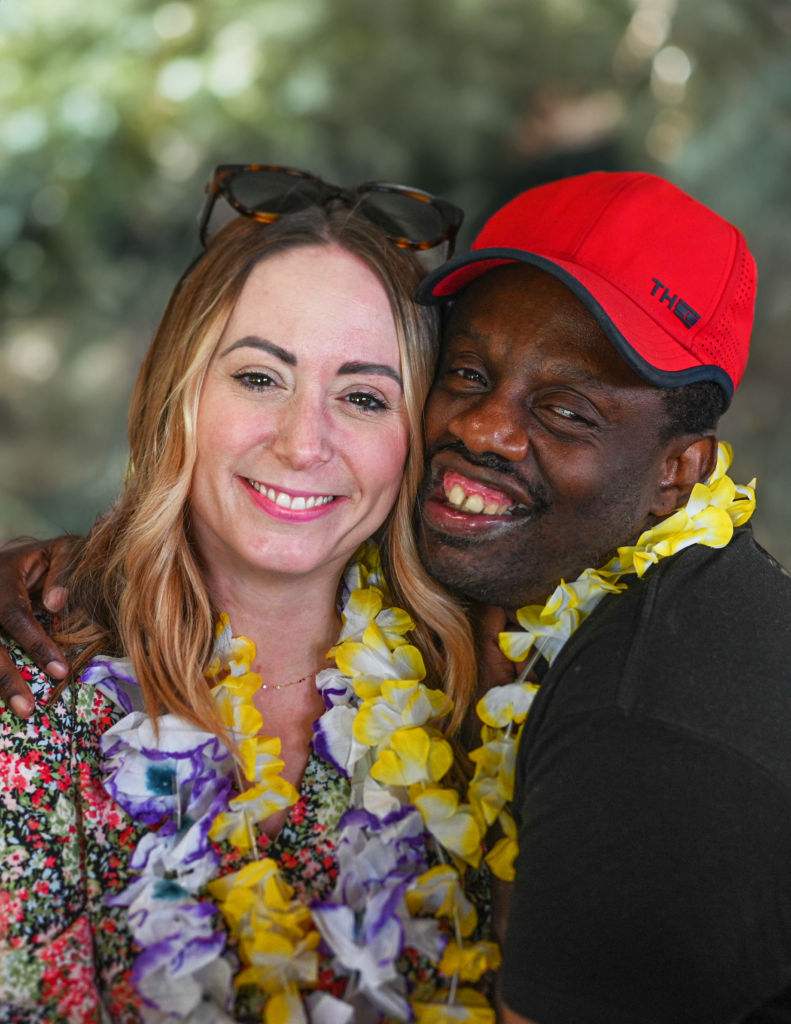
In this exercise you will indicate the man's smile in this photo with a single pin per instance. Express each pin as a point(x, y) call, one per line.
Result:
point(473, 500)
point(473, 496)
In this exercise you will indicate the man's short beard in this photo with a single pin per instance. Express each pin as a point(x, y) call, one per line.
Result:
point(463, 580)
point(509, 572)
point(472, 578)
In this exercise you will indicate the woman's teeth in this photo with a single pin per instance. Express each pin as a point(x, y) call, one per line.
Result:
point(286, 501)
point(459, 498)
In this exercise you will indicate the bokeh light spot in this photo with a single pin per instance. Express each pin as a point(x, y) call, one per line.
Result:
point(647, 31)
point(173, 20)
point(32, 355)
point(88, 113)
point(50, 204)
point(24, 131)
point(672, 65)
point(667, 135)
point(306, 91)
point(180, 79)
point(177, 156)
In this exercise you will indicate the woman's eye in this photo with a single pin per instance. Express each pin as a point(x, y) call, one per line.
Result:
point(365, 400)
point(255, 381)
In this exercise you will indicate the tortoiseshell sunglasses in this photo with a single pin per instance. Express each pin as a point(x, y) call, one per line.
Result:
point(411, 218)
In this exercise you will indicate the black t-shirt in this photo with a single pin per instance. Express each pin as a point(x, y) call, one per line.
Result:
point(653, 798)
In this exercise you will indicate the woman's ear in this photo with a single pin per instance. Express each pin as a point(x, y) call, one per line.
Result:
point(684, 466)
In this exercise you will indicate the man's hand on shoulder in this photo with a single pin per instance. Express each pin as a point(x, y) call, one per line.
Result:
point(31, 567)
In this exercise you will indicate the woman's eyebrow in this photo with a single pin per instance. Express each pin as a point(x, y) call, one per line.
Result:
point(251, 341)
point(380, 369)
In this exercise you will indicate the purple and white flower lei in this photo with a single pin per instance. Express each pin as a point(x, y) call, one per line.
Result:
point(180, 780)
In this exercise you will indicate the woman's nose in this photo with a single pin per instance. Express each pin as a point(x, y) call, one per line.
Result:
point(493, 425)
point(302, 440)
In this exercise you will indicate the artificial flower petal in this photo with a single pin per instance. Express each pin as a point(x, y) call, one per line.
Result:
point(453, 825)
point(324, 1008)
point(501, 858)
point(413, 757)
point(253, 805)
point(263, 876)
point(405, 662)
point(334, 738)
point(334, 687)
point(469, 1007)
point(439, 892)
point(549, 626)
point(402, 702)
point(470, 960)
point(285, 1007)
point(516, 646)
point(374, 959)
point(260, 757)
point(504, 704)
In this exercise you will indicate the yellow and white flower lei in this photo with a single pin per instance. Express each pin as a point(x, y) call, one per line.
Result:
point(396, 758)
point(276, 939)
point(709, 517)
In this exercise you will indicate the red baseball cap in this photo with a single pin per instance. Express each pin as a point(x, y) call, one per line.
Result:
point(670, 282)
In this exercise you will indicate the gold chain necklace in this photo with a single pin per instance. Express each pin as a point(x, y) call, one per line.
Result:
point(283, 686)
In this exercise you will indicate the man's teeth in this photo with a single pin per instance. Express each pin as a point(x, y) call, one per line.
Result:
point(459, 498)
point(286, 501)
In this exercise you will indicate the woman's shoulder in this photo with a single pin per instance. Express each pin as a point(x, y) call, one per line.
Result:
point(53, 758)
point(39, 682)
point(105, 691)
point(63, 845)
point(47, 757)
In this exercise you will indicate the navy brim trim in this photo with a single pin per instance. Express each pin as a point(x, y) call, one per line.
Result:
point(659, 378)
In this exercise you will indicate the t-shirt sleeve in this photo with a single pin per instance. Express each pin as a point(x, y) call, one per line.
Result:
point(652, 883)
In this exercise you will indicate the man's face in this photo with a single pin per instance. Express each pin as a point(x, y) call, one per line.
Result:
point(543, 445)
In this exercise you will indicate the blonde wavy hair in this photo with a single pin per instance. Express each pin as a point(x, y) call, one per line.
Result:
point(137, 589)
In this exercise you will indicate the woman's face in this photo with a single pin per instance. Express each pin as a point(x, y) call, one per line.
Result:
point(302, 431)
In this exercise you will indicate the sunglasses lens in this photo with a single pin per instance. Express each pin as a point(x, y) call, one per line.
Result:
point(261, 192)
point(274, 191)
point(400, 214)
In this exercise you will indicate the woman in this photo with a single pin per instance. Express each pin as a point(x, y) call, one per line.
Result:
point(173, 846)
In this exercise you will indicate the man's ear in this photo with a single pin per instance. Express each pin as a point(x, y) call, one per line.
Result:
point(684, 465)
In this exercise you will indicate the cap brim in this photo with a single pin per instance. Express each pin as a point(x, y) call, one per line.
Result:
point(650, 351)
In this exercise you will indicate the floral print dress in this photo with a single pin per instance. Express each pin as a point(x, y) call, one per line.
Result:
point(66, 956)
point(64, 846)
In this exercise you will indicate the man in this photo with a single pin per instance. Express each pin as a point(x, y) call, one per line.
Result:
point(593, 337)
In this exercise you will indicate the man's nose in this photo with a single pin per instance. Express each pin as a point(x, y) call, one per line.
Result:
point(302, 440)
point(493, 425)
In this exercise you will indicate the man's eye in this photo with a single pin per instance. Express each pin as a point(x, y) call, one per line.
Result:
point(365, 400)
point(254, 381)
point(468, 374)
point(567, 413)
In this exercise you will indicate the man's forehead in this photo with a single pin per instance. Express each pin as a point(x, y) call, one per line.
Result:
point(524, 314)
point(520, 301)
point(522, 277)
point(514, 294)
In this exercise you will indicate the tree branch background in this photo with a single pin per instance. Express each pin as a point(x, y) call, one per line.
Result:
point(112, 115)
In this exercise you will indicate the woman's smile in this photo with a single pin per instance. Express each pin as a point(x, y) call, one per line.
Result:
point(290, 506)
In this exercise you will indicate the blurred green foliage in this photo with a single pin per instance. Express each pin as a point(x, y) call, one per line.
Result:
point(113, 114)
